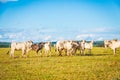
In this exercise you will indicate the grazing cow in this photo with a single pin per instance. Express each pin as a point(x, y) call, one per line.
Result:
point(38, 47)
point(69, 47)
point(113, 44)
point(24, 46)
point(47, 48)
point(85, 45)
point(75, 47)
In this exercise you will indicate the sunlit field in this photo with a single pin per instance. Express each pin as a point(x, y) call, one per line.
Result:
point(100, 65)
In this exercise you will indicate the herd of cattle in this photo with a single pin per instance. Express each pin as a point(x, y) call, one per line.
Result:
point(70, 47)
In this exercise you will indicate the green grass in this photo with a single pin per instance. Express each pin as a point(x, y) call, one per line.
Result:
point(101, 65)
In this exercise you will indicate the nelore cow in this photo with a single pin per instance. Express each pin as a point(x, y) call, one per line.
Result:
point(24, 46)
point(86, 45)
point(38, 47)
point(47, 48)
point(68, 46)
point(113, 44)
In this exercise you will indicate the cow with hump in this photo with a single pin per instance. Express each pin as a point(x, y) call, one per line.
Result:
point(68, 46)
point(113, 44)
point(24, 46)
point(86, 45)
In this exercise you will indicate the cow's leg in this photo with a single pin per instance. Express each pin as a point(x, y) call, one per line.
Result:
point(50, 53)
point(71, 52)
point(83, 52)
point(26, 53)
point(23, 52)
point(59, 51)
point(114, 50)
point(66, 52)
point(74, 52)
point(37, 51)
point(90, 51)
point(12, 52)
point(45, 53)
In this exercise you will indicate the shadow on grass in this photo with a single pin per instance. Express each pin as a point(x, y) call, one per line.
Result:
point(93, 54)
point(101, 54)
point(39, 56)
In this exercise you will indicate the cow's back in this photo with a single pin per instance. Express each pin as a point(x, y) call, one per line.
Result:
point(18, 45)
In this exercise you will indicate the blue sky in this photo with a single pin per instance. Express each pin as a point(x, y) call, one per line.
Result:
point(52, 20)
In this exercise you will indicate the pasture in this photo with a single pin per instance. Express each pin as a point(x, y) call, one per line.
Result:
point(101, 65)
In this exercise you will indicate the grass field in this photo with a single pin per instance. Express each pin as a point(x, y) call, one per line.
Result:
point(101, 65)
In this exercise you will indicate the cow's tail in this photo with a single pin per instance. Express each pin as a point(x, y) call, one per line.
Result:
point(8, 52)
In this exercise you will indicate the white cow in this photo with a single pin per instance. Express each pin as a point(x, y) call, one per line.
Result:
point(82, 47)
point(47, 47)
point(24, 46)
point(85, 45)
point(60, 46)
point(68, 46)
point(113, 44)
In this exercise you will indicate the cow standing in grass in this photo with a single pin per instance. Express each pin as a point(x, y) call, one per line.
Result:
point(38, 47)
point(75, 46)
point(47, 48)
point(86, 45)
point(24, 46)
point(70, 47)
point(82, 47)
point(114, 44)
point(60, 46)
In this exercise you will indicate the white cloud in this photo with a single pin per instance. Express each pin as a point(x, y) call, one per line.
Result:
point(100, 29)
point(100, 39)
point(1, 36)
point(46, 38)
point(51, 35)
point(85, 36)
point(12, 36)
point(60, 38)
point(96, 30)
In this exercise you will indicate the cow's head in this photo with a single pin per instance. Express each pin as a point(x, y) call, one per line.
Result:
point(29, 44)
